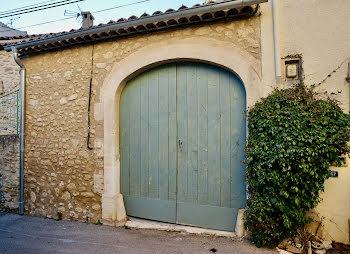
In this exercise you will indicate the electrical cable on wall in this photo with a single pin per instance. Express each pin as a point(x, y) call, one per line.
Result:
point(92, 66)
point(331, 73)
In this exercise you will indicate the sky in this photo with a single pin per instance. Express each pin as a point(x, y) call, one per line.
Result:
point(29, 19)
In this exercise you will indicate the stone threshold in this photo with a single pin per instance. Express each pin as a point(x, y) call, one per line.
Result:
point(147, 224)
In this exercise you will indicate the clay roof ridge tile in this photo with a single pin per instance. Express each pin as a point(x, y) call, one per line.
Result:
point(144, 15)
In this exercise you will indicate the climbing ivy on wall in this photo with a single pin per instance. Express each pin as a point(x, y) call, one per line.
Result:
point(294, 137)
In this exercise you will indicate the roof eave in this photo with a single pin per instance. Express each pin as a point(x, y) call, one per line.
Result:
point(198, 10)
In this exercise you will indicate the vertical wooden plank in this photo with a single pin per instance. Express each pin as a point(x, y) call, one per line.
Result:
point(238, 136)
point(163, 133)
point(182, 180)
point(202, 83)
point(243, 138)
point(124, 141)
point(144, 135)
point(225, 121)
point(153, 135)
point(192, 134)
point(135, 151)
point(213, 137)
point(172, 133)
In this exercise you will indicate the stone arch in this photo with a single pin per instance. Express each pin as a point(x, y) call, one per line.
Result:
point(212, 52)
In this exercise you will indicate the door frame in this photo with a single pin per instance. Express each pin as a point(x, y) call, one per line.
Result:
point(213, 52)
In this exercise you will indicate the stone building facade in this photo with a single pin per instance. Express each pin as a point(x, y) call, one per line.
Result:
point(62, 175)
point(64, 178)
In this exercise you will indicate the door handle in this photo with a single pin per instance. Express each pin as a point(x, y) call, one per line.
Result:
point(180, 144)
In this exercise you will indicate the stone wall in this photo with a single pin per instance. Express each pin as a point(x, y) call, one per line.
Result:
point(9, 175)
point(9, 141)
point(62, 176)
point(9, 82)
point(9, 73)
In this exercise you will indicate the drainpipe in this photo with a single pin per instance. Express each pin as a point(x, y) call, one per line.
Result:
point(21, 135)
point(276, 39)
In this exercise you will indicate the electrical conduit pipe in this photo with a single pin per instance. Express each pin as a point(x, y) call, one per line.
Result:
point(276, 39)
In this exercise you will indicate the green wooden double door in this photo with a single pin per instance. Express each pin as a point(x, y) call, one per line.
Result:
point(182, 137)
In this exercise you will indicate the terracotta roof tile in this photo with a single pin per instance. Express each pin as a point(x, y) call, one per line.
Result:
point(157, 13)
point(38, 36)
point(144, 15)
point(131, 29)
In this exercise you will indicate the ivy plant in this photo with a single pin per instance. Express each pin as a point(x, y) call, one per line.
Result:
point(294, 137)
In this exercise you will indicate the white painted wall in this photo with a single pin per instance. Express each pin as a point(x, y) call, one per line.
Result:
point(319, 30)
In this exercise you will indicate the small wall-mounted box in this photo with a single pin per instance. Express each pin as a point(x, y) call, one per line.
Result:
point(292, 68)
point(292, 71)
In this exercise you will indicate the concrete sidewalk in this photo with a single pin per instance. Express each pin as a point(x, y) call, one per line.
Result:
point(25, 234)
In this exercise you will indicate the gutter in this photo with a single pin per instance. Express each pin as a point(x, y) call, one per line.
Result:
point(276, 39)
point(142, 21)
point(21, 135)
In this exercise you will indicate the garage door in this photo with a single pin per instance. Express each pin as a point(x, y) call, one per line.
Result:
point(182, 137)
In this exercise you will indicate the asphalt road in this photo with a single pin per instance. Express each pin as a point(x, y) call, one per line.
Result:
point(25, 234)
